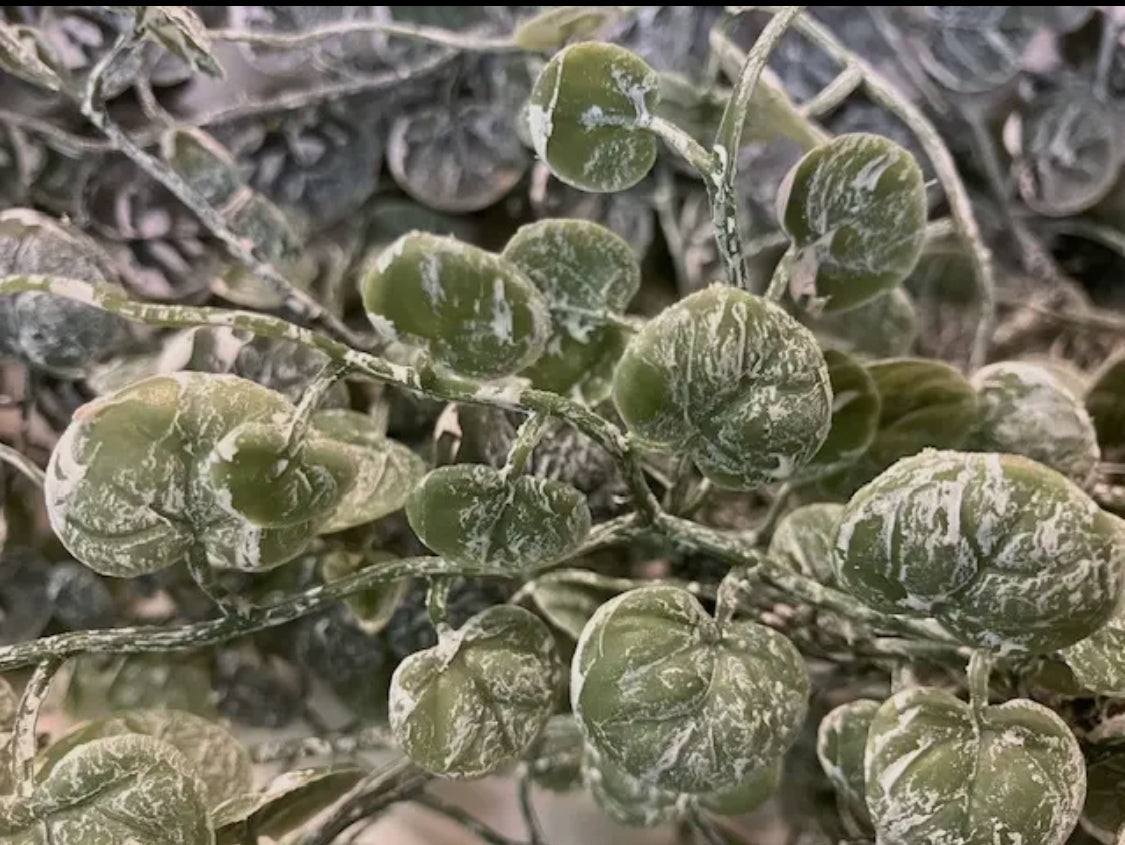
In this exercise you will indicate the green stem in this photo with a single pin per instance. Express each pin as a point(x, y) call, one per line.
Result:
point(527, 438)
point(728, 141)
point(437, 604)
point(156, 640)
point(21, 462)
point(24, 745)
point(311, 400)
point(782, 274)
point(980, 669)
point(205, 577)
point(464, 818)
point(689, 149)
point(527, 811)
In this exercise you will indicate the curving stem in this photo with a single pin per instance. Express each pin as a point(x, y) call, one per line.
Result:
point(24, 745)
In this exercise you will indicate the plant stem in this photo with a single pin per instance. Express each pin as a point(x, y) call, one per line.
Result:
point(884, 93)
point(205, 577)
point(155, 639)
point(21, 462)
point(437, 604)
point(527, 438)
point(980, 668)
point(779, 281)
point(321, 746)
point(689, 149)
point(728, 141)
point(527, 811)
point(834, 93)
point(311, 400)
point(462, 817)
point(24, 745)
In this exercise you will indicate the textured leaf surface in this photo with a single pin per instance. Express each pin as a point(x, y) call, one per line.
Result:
point(385, 470)
point(934, 774)
point(1105, 401)
point(855, 209)
point(480, 697)
point(477, 314)
point(661, 691)
point(372, 608)
point(473, 514)
point(1026, 410)
point(576, 264)
point(1098, 662)
point(883, 327)
point(289, 801)
point(130, 487)
point(841, 741)
point(1008, 554)
point(1104, 811)
point(212, 753)
point(122, 789)
point(804, 540)
point(731, 380)
point(584, 112)
point(855, 416)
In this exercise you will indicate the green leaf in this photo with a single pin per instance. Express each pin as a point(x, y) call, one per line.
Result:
point(679, 702)
point(855, 209)
point(804, 538)
point(568, 598)
point(472, 514)
point(479, 698)
point(460, 160)
point(203, 163)
point(213, 755)
point(9, 704)
point(555, 26)
point(578, 266)
point(1069, 154)
point(179, 31)
point(22, 54)
point(554, 759)
point(855, 416)
point(475, 312)
point(626, 799)
point(883, 327)
point(60, 336)
point(584, 115)
point(731, 380)
point(131, 485)
point(1104, 811)
point(840, 743)
point(123, 789)
point(385, 470)
point(290, 800)
point(1026, 410)
point(1105, 401)
point(1008, 554)
point(937, 772)
point(102, 684)
point(1098, 662)
point(372, 608)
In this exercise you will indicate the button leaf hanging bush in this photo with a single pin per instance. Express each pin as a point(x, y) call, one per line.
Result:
point(731, 380)
point(1008, 554)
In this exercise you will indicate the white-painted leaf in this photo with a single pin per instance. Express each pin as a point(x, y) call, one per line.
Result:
point(840, 745)
point(804, 539)
point(285, 804)
point(179, 30)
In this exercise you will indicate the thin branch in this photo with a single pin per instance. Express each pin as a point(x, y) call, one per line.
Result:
point(842, 86)
point(429, 34)
point(527, 810)
point(21, 462)
point(24, 745)
point(530, 433)
point(343, 744)
point(884, 93)
point(728, 142)
point(1097, 320)
point(685, 146)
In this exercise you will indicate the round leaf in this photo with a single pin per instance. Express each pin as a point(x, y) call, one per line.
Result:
point(1105, 402)
point(479, 698)
point(804, 538)
point(567, 598)
point(477, 314)
point(680, 703)
point(855, 416)
point(1008, 554)
point(385, 470)
point(131, 789)
point(1098, 662)
point(731, 380)
point(129, 489)
point(458, 160)
point(579, 265)
point(102, 684)
point(937, 772)
point(212, 753)
point(840, 743)
point(626, 799)
point(473, 514)
point(1026, 410)
point(554, 760)
point(584, 114)
point(855, 210)
point(971, 49)
point(554, 26)
point(883, 327)
point(372, 608)
point(1104, 811)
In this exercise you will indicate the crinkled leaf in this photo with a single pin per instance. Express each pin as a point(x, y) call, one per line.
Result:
point(855, 210)
point(179, 30)
point(584, 114)
point(372, 608)
point(680, 703)
point(1026, 410)
point(855, 416)
point(579, 267)
point(934, 773)
point(385, 470)
point(288, 802)
point(730, 379)
point(457, 161)
point(23, 55)
point(555, 26)
point(840, 744)
point(477, 313)
point(480, 697)
point(213, 754)
point(971, 49)
point(568, 598)
point(122, 789)
point(472, 514)
point(626, 799)
point(804, 538)
point(1008, 554)
point(183, 464)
